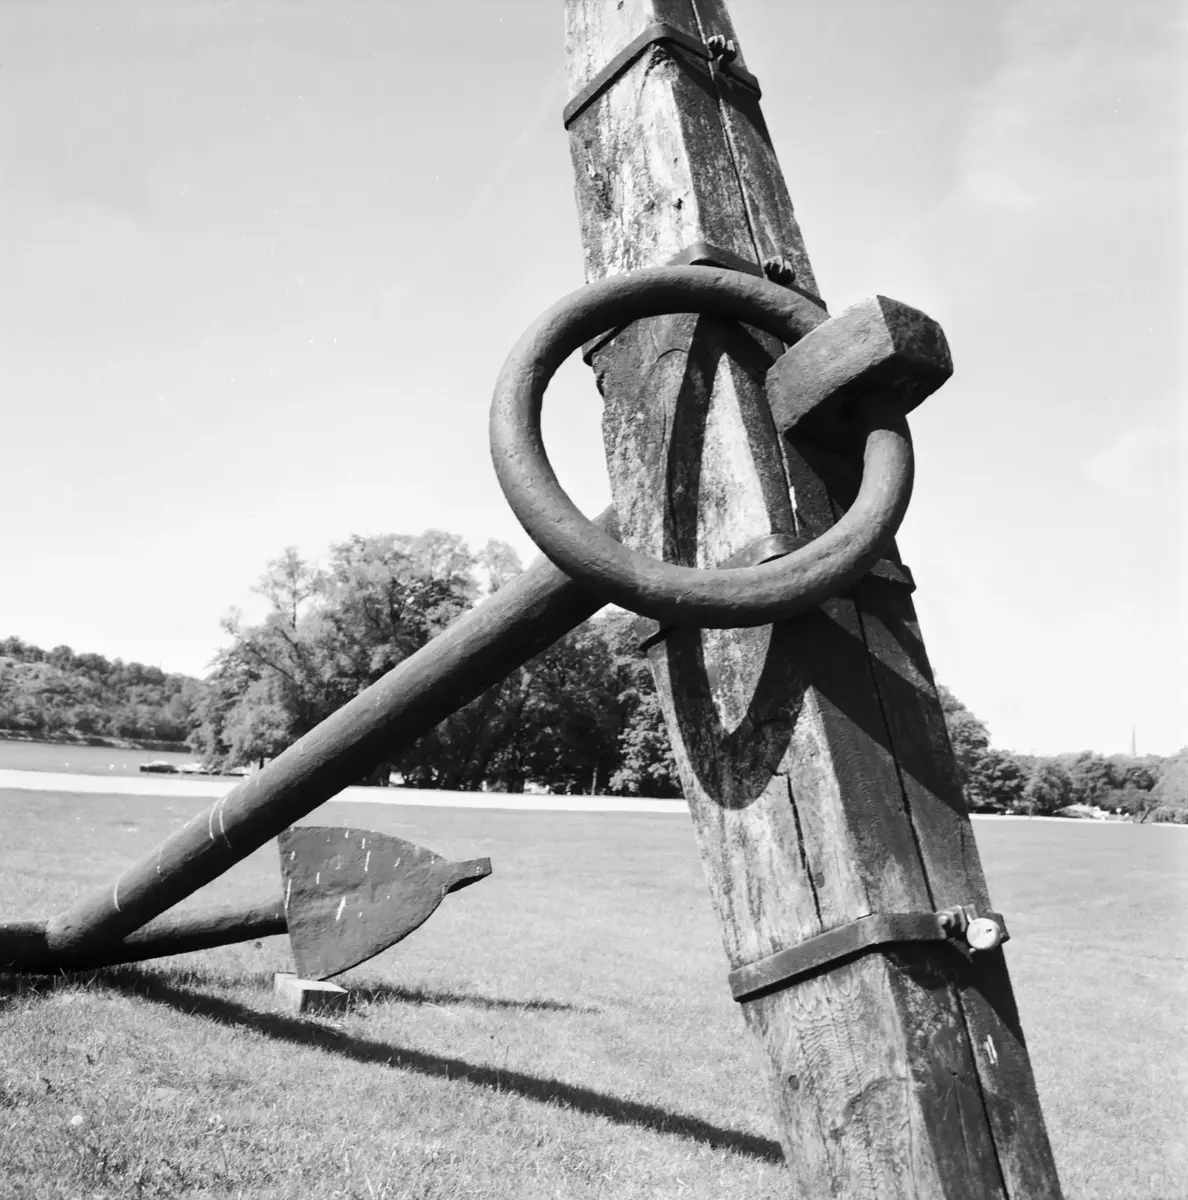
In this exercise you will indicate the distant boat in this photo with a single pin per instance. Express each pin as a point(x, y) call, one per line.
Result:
point(159, 767)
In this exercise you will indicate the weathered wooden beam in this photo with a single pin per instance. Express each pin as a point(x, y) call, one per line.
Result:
point(519, 621)
point(812, 753)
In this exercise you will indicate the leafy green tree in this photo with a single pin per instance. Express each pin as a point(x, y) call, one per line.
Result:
point(570, 722)
point(61, 692)
point(257, 727)
point(1139, 803)
point(1139, 776)
point(647, 766)
point(220, 695)
point(1049, 789)
point(996, 780)
point(970, 740)
point(328, 634)
point(1091, 776)
point(1171, 789)
point(564, 719)
point(552, 721)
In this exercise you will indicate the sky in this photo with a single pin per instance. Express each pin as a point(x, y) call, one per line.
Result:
point(261, 261)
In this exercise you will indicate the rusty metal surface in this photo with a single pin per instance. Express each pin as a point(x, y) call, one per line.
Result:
point(648, 632)
point(829, 948)
point(349, 894)
point(722, 597)
point(877, 347)
point(24, 945)
point(481, 648)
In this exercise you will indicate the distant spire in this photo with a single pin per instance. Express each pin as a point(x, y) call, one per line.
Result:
point(1133, 744)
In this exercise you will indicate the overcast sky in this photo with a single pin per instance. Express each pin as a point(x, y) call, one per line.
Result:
point(260, 263)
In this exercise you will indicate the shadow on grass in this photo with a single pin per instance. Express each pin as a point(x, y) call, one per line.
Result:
point(382, 993)
point(295, 1031)
point(15, 985)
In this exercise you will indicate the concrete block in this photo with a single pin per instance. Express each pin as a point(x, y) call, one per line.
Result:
point(309, 995)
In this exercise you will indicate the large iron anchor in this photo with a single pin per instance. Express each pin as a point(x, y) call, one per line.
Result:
point(853, 375)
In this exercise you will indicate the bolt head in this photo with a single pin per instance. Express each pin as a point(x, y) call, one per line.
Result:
point(983, 934)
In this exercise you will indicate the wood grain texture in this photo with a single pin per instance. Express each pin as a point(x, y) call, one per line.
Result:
point(787, 738)
point(919, 744)
point(919, 740)
point(771, 221)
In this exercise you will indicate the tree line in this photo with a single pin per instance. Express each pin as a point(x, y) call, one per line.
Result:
point(582, 717)
point(46, 693)
point(996, 780)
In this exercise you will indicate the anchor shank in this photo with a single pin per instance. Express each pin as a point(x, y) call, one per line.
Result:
point(517, 622)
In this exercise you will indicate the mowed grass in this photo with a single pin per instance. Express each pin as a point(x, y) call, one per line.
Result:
point(560, 1029)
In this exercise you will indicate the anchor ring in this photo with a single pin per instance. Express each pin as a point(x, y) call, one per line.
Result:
point(716, 598)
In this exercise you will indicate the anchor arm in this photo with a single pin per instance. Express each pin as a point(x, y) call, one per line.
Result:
point(519, 621)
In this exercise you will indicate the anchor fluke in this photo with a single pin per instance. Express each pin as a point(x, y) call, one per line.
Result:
point(351, 893)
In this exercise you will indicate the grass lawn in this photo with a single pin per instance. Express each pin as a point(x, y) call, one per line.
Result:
point(563, 1028)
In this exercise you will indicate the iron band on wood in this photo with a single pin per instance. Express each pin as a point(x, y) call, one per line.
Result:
point(858, 937)
point(705, 254)
point(653, 35)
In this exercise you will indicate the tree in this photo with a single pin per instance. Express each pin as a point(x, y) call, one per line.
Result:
point(257, 727)
point(1171, 790)
point(570, 723)
point(552, 721)
point(1139, 776)
point(1138, 803)
point(1091, 777)
point(329, 633)
point(499, 564)
point(1049, 789)
point(220, 695)
point(647, 766)
point(997, 781)
point(970, 740)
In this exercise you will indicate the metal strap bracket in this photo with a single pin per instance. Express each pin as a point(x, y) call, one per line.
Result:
point(722, 55)
point(958, 925)
point(702, 254)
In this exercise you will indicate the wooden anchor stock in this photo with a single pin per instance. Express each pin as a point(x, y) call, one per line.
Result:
point(812, 752)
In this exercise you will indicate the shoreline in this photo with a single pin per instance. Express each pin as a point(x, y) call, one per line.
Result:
point(211, 788)
point(100, 740)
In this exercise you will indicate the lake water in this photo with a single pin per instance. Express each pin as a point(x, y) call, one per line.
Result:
point(83, 760)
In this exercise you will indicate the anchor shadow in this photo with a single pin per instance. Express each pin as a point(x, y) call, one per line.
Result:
point(383, 993)
point(14, 986)
point(301, 1032)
